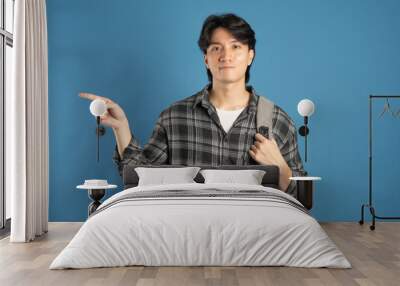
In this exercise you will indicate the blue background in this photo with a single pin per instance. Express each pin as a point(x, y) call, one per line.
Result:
point(144, 55)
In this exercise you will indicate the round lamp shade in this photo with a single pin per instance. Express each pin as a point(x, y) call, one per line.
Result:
point(98, 107)
point(305, 107)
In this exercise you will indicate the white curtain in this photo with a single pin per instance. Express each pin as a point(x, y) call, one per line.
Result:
point(27, 124)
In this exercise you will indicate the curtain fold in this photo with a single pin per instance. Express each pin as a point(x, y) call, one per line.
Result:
point(27, 117)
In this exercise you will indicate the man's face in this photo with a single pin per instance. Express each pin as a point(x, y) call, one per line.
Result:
point(227, 58)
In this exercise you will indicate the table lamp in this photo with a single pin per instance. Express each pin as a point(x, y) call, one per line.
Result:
point(306, 109)
point(96, 188)
point(98, 108)
point(305, 183)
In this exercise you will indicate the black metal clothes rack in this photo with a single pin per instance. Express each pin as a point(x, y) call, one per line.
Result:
point(370, 203)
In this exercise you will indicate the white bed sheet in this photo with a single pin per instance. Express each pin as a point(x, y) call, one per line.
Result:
point(200, 231)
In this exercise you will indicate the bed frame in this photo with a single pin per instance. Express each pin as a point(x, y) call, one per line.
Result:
point(270, 179)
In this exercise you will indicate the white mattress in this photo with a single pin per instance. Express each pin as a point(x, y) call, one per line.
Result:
point(183, 231)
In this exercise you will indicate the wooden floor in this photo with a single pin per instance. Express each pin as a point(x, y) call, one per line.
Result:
point(374, 255)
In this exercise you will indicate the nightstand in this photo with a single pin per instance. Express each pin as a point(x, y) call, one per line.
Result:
point(305, 188)
point(96, 190)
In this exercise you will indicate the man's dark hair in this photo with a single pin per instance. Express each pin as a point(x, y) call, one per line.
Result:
point(237, 26)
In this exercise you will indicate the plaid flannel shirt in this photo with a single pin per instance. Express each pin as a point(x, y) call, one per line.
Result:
point(189, 133)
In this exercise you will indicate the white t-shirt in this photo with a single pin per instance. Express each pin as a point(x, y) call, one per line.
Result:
point(228, 117)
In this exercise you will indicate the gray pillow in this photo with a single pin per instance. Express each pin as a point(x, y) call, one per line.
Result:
point(248, 177)
point(163, 176)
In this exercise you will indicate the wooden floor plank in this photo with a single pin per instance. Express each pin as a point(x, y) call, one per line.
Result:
point(374, 255)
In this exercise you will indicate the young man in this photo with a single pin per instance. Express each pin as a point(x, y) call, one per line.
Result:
point(216, 126)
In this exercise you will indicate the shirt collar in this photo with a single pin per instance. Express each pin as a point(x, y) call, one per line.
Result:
point(202, 98)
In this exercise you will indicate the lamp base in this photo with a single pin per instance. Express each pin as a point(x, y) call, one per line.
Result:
point(100, 130)
point(303, 130)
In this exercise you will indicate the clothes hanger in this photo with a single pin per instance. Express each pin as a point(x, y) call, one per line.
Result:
point(386, 108)
point(397, 113)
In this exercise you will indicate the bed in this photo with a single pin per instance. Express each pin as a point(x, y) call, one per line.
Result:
point(201, 224)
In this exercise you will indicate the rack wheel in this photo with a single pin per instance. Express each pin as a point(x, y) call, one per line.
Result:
point(372, 227)
point(361, 222)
